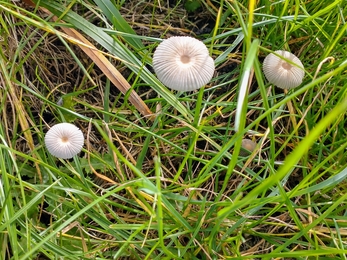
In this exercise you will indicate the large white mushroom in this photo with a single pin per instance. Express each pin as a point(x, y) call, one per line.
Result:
point(64, 140)
point(281, 73)
point(183, 63)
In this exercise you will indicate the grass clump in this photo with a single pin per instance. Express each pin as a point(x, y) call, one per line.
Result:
point(162, 174)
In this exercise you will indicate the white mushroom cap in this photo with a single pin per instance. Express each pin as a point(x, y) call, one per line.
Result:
point(64, 140)
point(183, 63)
point(282, 73)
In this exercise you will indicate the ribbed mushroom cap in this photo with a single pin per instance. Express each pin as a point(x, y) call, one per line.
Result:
point(183, 63)
point(281, 73)
point(64, 140)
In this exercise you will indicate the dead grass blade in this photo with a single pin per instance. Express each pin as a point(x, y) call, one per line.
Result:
point(110, 71)
point(105, 66)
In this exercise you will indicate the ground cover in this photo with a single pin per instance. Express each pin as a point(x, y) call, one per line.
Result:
point(163, 174)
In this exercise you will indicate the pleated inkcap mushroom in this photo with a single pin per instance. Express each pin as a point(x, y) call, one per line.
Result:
point(64, 140)
point(282, 73)
point(183, 63)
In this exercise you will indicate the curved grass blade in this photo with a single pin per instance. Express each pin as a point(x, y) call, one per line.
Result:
point(119, 23)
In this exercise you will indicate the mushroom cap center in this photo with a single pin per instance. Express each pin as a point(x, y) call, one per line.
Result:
point(185, 59)
point(65, 139)
point(286, 65)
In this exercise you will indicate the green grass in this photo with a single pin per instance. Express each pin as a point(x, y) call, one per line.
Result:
point(174, 186)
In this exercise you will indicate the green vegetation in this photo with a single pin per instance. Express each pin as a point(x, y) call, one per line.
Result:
point(161, 174)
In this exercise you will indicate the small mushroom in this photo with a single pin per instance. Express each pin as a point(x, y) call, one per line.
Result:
point(183, 63)
point(64, 140)
point(247, 147)
point(281, 73)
